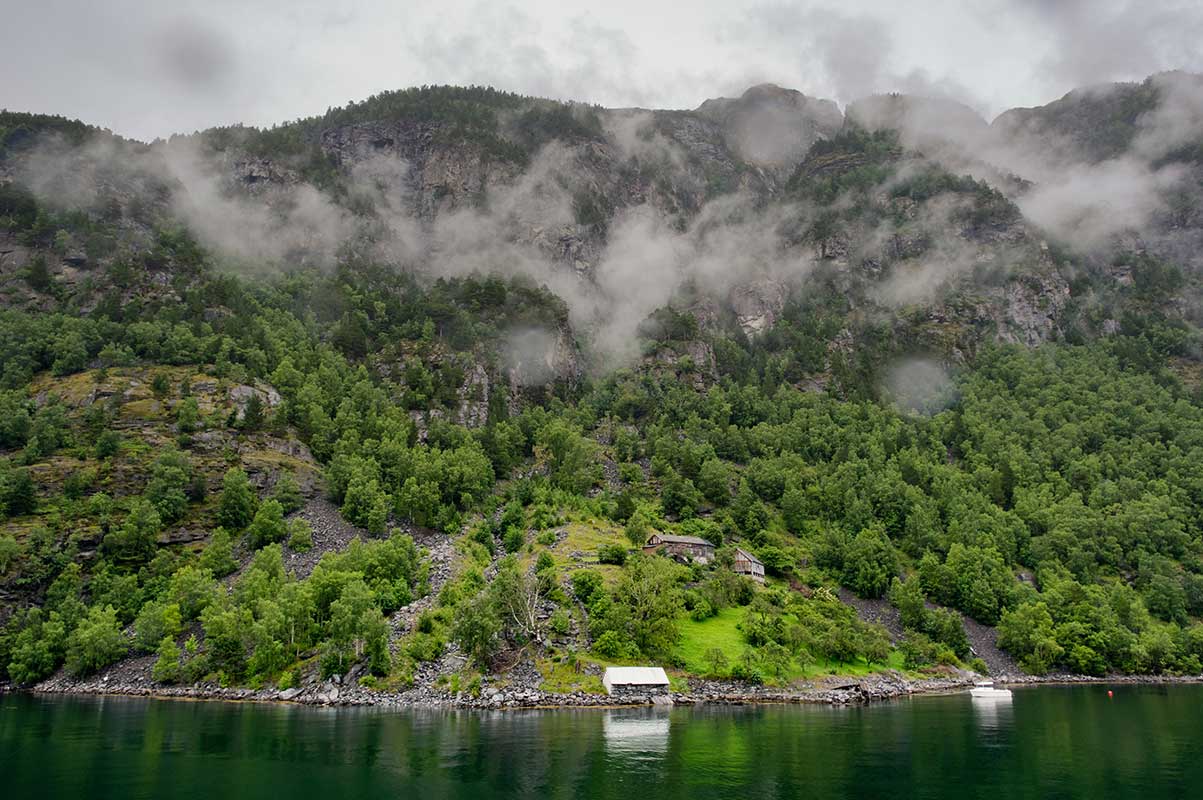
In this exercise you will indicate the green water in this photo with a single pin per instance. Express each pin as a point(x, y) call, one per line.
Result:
point(1049, 742)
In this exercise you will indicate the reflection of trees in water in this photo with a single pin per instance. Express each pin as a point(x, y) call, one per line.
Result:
point(1063, 741)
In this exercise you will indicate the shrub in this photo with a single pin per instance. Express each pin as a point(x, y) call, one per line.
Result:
point(107, 444)
point(288, 493)
point(612, 554)
point(96, 642)
point(424, 647)
point(514, 539)
point(268, 525)
point(155, 622)
point(236, 508)
point(218, 555)
point(613, 646)
point(167, 667)
point(300, 535)
point(586, 584)
point(10, 551)
point(747, 673)
point(18, 495)
point(560, 623)
point(716, 660)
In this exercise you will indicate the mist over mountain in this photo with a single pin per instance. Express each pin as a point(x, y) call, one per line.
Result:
point(916, 213)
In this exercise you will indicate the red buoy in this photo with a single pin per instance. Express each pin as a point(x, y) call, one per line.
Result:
point(1110, 693)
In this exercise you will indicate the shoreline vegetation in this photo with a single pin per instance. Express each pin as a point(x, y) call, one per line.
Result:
point(835, 691)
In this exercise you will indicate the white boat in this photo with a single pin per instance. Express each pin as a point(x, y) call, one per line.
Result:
point(987, 689)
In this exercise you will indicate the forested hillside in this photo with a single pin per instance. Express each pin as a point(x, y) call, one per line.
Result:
point(398, 394)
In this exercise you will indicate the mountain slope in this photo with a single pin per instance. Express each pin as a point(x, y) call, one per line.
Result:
point(900, 351)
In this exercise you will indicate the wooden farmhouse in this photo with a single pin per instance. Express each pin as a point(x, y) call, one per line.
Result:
point(683, 548)
point(748, 564)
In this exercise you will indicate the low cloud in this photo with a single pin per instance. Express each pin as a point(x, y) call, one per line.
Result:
point(919, 386)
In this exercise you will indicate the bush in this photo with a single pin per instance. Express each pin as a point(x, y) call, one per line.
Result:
point(613, 646)
point(560, 623)
point(268, 525)
point(10, 551)
point(424, 647)
point(637, 528)
point(167, 667)
point(288, 493)
point(160, 384)
point(918, 650)
point(746, 673)
point(96, 642)
point(702, 610)
point(586, 584)
point(218, 555)
point(300, 535)
point(612, 554)
point(514, 539)
point(236, 508)
point(18, 495)
point(107, 444)
point(155, 622)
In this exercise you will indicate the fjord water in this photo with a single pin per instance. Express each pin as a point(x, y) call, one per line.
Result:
point(1049, 742)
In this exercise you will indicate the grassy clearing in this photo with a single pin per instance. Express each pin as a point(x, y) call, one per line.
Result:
point(722, 632)
point(561, 677)
point(579, 548)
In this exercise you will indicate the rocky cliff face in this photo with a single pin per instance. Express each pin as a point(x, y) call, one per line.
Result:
point(725, 212)
point(772, 127)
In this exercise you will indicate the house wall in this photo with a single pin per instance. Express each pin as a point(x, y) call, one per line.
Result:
point(698, 553)
point(744, 567)
point(628, 690)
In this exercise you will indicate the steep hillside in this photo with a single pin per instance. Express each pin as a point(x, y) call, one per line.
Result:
point(942, 364)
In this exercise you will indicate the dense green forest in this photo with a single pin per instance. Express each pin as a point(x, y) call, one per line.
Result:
point(1054, 492)
point(172, 431)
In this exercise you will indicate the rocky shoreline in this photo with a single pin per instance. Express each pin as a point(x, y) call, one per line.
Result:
point(875, 688)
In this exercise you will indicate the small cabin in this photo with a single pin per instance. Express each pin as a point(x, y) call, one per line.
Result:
point(683, 548)
point(747, 564)
point(626, 681)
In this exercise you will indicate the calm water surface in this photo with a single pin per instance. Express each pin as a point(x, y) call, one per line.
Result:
point(1049, 742)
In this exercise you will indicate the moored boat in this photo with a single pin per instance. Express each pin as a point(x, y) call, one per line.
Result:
point(988, 689)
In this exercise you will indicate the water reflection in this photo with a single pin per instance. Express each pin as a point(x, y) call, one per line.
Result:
point(1051, 742)
point(639, 733)
point(993, 713)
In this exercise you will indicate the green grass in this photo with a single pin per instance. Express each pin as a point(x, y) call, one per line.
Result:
point(722, 632)
point(585, 538)
point(719, 631)
point(561, 678)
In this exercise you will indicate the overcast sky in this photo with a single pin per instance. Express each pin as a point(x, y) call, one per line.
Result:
point(148, 68)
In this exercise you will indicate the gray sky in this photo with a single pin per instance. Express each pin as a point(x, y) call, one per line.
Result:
point(148, 68)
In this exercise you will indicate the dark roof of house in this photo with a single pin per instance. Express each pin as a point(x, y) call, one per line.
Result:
point(739, 551)
point(668, 538)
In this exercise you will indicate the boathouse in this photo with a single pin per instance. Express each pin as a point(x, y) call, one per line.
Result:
point(627, 681)
point(684, 548)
